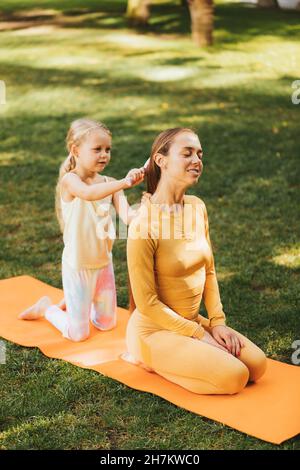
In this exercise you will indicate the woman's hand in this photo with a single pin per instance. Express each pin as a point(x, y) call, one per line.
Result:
point(145, 197)
point(134, 177)
point(227, 338)
point(207, 338)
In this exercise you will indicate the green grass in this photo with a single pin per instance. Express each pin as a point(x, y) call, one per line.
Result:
point(77, 61)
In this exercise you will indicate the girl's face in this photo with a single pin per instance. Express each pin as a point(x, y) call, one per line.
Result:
point(93, 153)
point(184, 160)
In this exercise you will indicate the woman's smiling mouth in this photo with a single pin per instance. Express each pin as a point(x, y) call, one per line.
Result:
point(194, 171)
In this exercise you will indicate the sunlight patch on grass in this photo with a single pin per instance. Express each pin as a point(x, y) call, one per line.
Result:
point(69, 61)
point(264, 54)
point(168, 74)
point(6, 158)
point(79, 19)
point(277, 56)
point(47, 99)
point(277, 344)
point(109, 21)
point(221, 79)
point(36, 30)
point(83, 99)
point(290, 258)
point(40, 12)
point(224, 275)
point(134, 41)
point(93, 81)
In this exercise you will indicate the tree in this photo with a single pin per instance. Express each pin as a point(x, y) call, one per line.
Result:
point(202, 18)
point(201, 12)
point(266, 3)
point(138, 11)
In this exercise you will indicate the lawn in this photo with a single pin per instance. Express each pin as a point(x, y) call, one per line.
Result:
point(68, 59)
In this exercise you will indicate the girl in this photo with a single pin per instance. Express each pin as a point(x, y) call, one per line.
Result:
point(83, 197)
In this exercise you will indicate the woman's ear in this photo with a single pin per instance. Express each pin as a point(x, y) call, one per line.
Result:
point(160, 160)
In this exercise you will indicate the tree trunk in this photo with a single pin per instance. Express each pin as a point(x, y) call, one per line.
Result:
point(202, 18)
point(138, 11)
point(266, 3)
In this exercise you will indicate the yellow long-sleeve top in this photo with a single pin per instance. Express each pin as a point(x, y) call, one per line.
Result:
point(171, 267)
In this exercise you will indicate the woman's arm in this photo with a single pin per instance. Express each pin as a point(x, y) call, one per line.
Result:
point(123, 209)
point(211, 293)
point(140, 259)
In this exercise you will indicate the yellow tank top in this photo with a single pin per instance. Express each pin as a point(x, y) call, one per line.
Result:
point(89, 232)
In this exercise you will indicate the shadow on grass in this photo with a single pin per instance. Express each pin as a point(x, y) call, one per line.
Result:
point(234, 23)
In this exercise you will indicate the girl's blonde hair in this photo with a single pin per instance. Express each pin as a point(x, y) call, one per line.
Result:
point(78, 131)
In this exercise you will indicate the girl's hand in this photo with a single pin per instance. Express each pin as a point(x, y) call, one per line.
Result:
point(227, 338)
point(134, 177)
point(145, 197)
point(207, 338)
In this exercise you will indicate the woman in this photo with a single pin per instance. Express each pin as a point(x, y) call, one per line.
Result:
point(171, 267)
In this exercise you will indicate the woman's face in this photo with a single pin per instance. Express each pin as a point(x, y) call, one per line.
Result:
point(184, 160)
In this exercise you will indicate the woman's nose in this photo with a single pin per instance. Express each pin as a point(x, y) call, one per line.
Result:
point(196, 159)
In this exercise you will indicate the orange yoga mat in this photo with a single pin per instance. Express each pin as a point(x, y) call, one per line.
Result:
point(268, 409)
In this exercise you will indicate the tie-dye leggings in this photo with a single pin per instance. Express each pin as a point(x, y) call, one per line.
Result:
point(90, 294)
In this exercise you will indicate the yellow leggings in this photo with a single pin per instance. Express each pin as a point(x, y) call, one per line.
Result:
point(191, 363)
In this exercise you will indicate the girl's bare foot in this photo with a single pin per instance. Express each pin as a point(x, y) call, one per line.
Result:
point(36, 310)
point(62, 304)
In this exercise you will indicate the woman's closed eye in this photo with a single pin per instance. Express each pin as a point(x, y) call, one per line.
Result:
point(189, 154)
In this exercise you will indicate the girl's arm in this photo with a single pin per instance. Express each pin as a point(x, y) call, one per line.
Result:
point(92, 192)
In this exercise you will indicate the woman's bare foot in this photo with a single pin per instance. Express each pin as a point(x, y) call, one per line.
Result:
point(36, 310)
point(130, 358)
